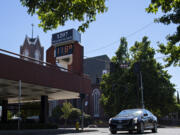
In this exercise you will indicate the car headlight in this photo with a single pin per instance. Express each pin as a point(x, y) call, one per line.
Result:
point(135, 120)
point(110, 120)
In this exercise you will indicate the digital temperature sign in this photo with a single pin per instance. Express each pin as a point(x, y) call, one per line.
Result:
point(64, 50)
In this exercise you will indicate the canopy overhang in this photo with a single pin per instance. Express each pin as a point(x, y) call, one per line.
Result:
point(38, 80)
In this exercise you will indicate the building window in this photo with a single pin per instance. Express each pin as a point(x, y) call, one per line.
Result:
point(37, 56)
point(96, 96)
point(26, 53)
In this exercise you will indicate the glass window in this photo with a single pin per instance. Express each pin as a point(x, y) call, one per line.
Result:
point(133, 112)
point(37, 56)
point(96, 95)
point(26, 53)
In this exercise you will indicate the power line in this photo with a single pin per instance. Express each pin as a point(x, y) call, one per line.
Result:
point(131, 34)
point(144, 27)
point(103, 47)
point(101, 60)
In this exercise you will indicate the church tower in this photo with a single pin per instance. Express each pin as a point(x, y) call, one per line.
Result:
point(32, 48)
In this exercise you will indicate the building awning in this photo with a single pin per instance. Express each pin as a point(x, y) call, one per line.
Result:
point(38, 80)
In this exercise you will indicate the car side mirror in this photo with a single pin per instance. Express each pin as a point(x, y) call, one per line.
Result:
point(145, 114)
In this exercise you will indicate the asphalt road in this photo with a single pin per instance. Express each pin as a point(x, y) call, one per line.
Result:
point(88, 131)
point(105, 131)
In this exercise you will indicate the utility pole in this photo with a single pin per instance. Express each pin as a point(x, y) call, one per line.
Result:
point(19, 107)
point(82, 120)
point(142, 94)
point(82, 97)
point(137, 71)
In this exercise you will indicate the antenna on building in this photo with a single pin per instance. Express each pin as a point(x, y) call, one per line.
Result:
point(32, 29)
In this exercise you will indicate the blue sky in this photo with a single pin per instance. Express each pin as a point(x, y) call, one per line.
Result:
point(124, 18)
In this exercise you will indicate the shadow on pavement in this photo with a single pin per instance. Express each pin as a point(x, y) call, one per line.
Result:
point(126, 133)
point(45, 132)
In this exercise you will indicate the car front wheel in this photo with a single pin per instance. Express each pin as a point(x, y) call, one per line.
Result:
point(140, 128)
point(154, 130)
point(130, 131)
point(113, 131)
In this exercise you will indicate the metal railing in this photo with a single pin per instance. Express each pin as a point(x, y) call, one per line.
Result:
point(30, 59)
point(22, 57)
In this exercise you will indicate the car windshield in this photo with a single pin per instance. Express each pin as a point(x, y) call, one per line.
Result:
point(126, 113)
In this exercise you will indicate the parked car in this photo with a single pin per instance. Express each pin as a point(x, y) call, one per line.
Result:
point(133, 120)
point(32, 119)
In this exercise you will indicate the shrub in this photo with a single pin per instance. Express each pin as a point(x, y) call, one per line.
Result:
point(57, 112)
point(87, 119)
point(66, 109)
point(75, 115)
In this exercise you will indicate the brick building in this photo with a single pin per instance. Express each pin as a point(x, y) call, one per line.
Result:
point(95, 67)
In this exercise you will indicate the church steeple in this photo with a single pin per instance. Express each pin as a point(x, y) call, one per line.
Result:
point(32, 47)
point(32, 29)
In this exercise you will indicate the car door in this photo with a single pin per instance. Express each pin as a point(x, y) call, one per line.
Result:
point(147, 119)
point(150, 119)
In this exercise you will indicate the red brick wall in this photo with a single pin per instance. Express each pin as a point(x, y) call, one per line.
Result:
point(50, 55)
point(77, 64)
point(29, 72)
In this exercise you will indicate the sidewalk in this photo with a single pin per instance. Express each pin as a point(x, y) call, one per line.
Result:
point(45, 131)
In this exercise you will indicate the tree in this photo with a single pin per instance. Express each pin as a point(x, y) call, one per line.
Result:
point(53, 13)
point(178, 101)
point(116, 87)
point(158, 90)
point(75, 114)
point(120, 89)
point(171, 8)
point(66, 109)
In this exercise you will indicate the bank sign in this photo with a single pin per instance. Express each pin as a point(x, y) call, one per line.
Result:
point(64, 50)
point(65, 37)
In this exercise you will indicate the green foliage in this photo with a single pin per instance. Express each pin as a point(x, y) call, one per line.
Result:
point(120, 89)
point(177, 98)
point(171, 8)
point(57, 112)
point(122, 55)
point(32, 109)
point(173, 51)
point(87, 119)
point(75, 114)
point(116, 86)
point(158, 90)
point(9, 115)
point(53, 13)
point(66, 109)
point(69, 114)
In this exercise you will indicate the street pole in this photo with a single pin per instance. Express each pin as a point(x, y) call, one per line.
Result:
point(142, 97)
point(82, 119)
point(19, 107)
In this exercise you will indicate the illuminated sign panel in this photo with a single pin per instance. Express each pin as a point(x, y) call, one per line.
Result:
point(64, 50)
point(66, 37)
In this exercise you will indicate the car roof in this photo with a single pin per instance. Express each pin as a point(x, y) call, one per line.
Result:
point(135, 109)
